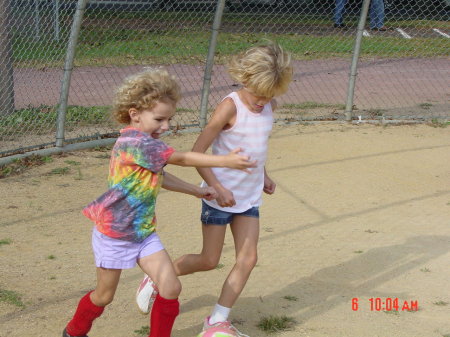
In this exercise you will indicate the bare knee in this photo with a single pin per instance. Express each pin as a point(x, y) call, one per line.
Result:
point(208, 263)
point(102, 299)
point(170, 290)
point(247, 261)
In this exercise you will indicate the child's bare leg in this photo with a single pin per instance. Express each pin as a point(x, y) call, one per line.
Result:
point(213, 238)
point(245, 233)
point(93, 303)
point(107, 281)
point(160, 269)
point(166, 307)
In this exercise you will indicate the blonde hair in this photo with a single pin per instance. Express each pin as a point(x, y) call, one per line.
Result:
point(266, 70)
point(143, 91)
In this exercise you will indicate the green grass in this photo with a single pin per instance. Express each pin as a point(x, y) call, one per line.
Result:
point(168, 38)
point(5, 242)
point(76, 165)
point(11, 297)
point(440, 303)
point(290, 298)
point(59, 171)
point(143, 331)
point(43, 116)
point(72, 162)
point(199, 19)
point(425, 106)
point(79, 175)
point(169, 48)
point(274, 324)
point(391, 312)
point(19, 166)
point(439, 124)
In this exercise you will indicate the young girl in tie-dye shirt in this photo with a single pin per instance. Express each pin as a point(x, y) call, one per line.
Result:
point(124, 216)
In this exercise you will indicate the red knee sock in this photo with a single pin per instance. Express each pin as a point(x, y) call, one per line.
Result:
point(86, 312)
point(163, 316)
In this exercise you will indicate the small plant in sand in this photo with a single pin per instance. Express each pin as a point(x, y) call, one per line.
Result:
point(273, 324)
point(5, 242)
point(143, 331)
point(11, 297)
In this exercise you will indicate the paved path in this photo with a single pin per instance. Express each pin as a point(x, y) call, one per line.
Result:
point(381, 83)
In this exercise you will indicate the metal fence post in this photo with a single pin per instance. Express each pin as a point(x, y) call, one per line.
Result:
point(6, 64)
point(210, 62)
point(56, 7)
point(354, 65)
point(68, 67)
point(37, 19)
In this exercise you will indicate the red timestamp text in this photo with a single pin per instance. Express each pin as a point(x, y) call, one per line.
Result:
point(386, 304)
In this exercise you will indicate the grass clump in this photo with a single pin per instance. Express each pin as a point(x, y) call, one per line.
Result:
point(18, 166)
point(5, 242)
point(435, 123)
point(441, 303)
point(312, 105)
point(274, 324)
point(11, 297)
point(45, 116)
point(60, 171)
point(143, 330)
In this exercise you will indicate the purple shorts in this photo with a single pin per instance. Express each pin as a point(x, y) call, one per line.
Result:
point(119, 254)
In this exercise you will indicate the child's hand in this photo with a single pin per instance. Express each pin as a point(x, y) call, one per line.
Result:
point(208, 193)
point(225, 198)
point(269, 185)
point(237, 161)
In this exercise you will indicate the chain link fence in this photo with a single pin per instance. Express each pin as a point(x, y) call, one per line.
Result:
point(402, 73)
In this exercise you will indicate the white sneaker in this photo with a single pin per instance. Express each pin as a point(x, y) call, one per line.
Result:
point(227, 326)
point(145, 295)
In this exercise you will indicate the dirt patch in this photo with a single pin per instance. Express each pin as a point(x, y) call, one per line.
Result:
point(360, 212)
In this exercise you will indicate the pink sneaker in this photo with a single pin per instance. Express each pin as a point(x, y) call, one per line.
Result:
point(145, 295)
point(221, 327)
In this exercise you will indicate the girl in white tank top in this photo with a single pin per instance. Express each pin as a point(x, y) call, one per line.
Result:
point(250, 132)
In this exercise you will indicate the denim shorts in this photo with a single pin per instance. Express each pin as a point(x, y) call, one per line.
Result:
point(214, 216)
point(119, 254)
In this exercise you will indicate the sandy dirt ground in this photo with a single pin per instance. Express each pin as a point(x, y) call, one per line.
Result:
point(361, 212)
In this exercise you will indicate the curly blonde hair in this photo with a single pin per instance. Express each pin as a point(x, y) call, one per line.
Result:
point(266, 70)
point(142, 91)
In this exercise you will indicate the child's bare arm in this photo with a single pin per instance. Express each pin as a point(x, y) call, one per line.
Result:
point(223, 117)
point(269, 184)
point(173, 183)
point(232, 160)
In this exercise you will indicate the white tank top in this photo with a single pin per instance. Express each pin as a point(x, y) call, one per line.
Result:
point(250, 132)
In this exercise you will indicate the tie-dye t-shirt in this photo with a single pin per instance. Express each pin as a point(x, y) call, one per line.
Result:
point(127, 210)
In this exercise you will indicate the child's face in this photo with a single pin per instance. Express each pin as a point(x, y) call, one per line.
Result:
point(154, 121)
point(254, 102)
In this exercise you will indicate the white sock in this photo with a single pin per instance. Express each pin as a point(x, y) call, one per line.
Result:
point(219, 314)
